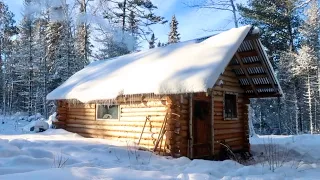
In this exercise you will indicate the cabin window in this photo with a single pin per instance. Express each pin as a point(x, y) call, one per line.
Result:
point(230, 107)
point(105, 112)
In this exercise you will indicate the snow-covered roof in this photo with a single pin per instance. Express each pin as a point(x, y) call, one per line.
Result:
point(186, 67)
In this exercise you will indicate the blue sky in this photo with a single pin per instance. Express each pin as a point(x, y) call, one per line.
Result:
point(193, 23)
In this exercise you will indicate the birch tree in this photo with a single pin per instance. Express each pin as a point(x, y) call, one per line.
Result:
point(217, 5)
point(83, 44)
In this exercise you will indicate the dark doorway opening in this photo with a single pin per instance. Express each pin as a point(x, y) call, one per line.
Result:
point(201, 128)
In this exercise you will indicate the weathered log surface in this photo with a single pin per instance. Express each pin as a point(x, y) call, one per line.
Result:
point(231, 132)
point(81, 119)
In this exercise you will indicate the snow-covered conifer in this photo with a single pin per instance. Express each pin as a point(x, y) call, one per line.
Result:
point(152, 42)
point(174, 35)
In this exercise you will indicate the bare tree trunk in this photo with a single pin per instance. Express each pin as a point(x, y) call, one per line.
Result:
point(260, 121)
point(4, 77)
point(279, 119)
point(84, 30)
point(124, 15)
point(315, 115)
point(219, 5)
point(310, 103)
point(296, 109)
point(251, 127)
point(234, 12)
point(30, 71)
point(84, 6)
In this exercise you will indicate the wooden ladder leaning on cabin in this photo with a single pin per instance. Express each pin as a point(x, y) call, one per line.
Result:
point(163, 131)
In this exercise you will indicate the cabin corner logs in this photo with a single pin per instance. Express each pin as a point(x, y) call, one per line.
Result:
point(184, 135)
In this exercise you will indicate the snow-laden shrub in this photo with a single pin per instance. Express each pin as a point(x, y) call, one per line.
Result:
point(35, 117)
point(52, 118)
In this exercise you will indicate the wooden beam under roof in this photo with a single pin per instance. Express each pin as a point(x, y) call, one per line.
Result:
point(237, 56)
point(238, 66)
point(258, 86)
point(263, 95)
point(262, 75)
point(250, 53)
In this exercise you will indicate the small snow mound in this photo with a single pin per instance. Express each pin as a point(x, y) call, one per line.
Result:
point(57, 132)
point(36, 126)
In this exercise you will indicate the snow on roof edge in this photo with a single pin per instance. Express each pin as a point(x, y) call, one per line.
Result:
point(181, 61)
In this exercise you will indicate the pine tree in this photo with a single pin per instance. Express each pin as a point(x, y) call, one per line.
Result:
point(279, 22)
point(152, 42)
point(7, 29)
point(138, 12)
point(111, 48)
point(174, 36)
point(26, 64)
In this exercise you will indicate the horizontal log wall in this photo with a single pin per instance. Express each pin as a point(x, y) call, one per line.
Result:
point(231, 132)
point(62, 107)
point(81, 118)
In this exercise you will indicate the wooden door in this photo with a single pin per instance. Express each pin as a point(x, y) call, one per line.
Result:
point(201, 128)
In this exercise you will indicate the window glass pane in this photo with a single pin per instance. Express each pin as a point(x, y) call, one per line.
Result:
point(107, 112)
point(230, 106)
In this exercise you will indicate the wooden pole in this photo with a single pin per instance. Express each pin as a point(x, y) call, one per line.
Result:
point(147, 118)
point(162, 131)
point(190, 126)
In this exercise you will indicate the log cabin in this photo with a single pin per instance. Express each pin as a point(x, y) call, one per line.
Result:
point(186, 99)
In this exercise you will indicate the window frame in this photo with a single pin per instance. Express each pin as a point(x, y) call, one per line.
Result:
point(100, 119)
point(224, 106)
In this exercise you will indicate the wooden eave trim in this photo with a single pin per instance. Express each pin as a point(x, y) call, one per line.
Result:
point(255, 46)
point(246, 73)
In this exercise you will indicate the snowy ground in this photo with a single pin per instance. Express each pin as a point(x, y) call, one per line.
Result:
point(14, 124)
point(57, 154)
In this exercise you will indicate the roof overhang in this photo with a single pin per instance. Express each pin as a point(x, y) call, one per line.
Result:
point(254, 70)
